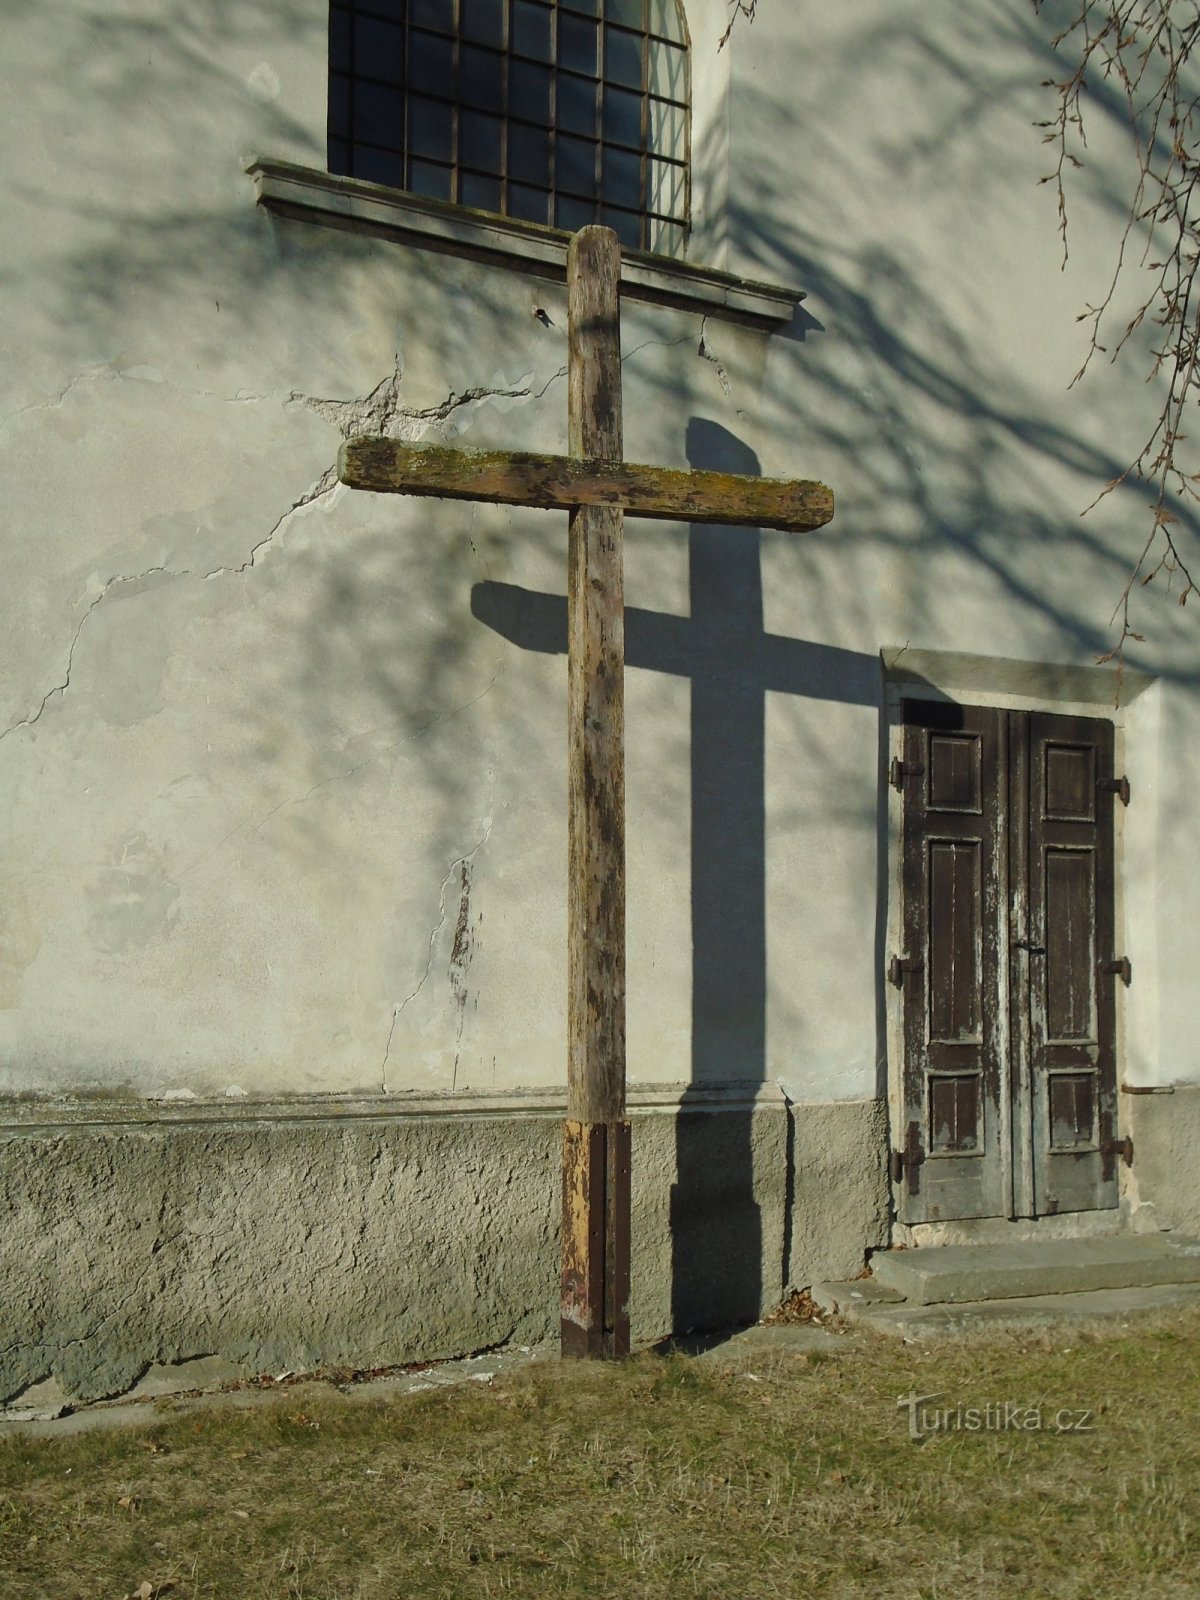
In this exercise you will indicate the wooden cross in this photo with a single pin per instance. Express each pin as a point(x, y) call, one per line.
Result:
point(597, 487)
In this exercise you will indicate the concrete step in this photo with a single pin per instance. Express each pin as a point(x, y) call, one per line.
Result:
point(883, 1311)
point(954, 1274)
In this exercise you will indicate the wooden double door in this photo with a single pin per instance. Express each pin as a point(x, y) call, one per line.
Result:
point(1008, 972)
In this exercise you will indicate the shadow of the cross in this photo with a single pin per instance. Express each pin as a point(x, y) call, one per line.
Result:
point(732, 663)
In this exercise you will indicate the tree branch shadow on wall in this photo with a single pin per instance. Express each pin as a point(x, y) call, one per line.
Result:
point(893, 387)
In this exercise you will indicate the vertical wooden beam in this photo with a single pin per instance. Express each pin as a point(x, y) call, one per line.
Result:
point(595, 1292)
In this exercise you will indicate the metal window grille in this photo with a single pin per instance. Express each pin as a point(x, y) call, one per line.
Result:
point(564, 112)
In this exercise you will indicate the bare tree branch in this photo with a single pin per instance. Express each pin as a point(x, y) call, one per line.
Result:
point(741, 8)
point(1142, 50)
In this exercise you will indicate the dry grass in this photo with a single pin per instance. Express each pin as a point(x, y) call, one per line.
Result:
point(778, 1474)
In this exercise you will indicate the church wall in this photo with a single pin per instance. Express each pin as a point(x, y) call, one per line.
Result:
point(283, 767)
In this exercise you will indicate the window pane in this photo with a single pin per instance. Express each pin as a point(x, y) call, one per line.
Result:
point(623, 116)
point(481, 192)
point(667, 188)
point(578, 42)
point(539, 108)
point(531, 30)
point(339, 157)
point(630, 12)
point(664, 19)
point(480, 140)
point(481, 78)
point(379, 49)
point(668, 71)
point(339, 40)
point(628, 226)
point(573, 214)
point(576, 167)
point(483, 20)
point(529, 154)
point(379, 166)
point(529, 92)
point(431, 63)
point(666, 237)
point(623, 178)
point(429, 129)
point(425, 178)
point(339, 104)
point(532, 205)
point(434, 14)
point(378, 114)
point(668, 129)
point(577, 111)
point(623, 57)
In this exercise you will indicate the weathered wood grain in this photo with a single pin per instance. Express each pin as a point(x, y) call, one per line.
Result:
point(594, 1319)
point(547, 482)
point(595, 697)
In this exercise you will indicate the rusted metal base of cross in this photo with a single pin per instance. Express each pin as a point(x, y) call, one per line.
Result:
point(595, 1259)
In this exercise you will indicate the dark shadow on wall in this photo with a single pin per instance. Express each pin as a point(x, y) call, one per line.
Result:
point(722, 648)
point(716, 1224)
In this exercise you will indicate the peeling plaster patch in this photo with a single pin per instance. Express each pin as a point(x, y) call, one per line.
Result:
point(706, 353)
point(133, 902)
point(456, 865)
point(123, 686)
point(263, 82)
point(61, 688)
point(466, 933)
point(381, 413)
point(325, 486)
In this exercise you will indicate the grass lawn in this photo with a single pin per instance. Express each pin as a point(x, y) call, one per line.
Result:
point(771, 1473)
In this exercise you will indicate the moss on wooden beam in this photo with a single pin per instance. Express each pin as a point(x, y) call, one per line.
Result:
point(514, 478)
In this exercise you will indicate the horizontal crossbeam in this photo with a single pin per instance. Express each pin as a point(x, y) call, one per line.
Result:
point(513, 478)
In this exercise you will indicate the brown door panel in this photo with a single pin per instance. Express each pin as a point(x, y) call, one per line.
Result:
point(1009, 1077)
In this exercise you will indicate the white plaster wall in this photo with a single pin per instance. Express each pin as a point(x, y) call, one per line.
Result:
point(283, 813)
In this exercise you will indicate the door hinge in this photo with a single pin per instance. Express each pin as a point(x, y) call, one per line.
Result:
point(904, 769)
point(1120, 968)
point(1118, 1147)
point(907, 1162)
point(899, 965)
point(1118, 786)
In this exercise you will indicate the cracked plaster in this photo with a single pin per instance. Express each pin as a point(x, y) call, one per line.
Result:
point(457, 865)
point(379, 412)
point(130, 912)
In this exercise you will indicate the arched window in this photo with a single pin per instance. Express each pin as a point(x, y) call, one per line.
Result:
point(564, 112)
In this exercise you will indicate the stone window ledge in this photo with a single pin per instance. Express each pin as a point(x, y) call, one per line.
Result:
point(310, 195)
